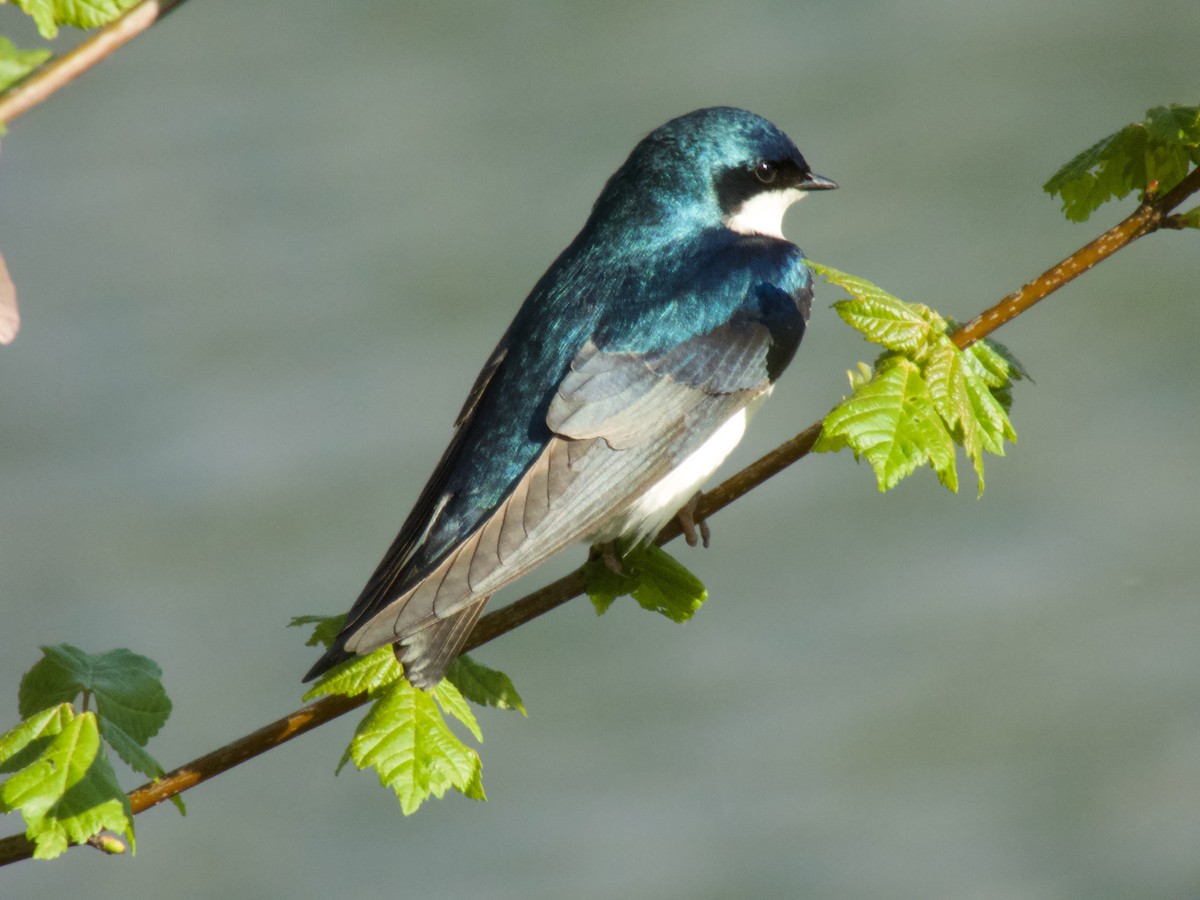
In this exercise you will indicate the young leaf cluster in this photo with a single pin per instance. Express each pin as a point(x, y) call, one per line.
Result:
point(654, 578)
point(1151, 156)
point(404, 736)
point(925, 396)
point(60, 775)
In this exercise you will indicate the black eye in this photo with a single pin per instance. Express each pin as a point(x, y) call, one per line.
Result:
point(765, 171)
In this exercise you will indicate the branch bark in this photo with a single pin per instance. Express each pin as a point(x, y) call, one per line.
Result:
point(1150, 216)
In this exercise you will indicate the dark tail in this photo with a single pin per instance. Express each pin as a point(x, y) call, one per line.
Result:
point(334, 655)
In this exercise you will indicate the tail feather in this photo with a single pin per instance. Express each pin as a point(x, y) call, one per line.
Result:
point(425, 654)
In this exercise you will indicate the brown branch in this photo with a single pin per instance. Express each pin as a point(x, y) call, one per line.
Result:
point(1148, 217)
point(61, 71)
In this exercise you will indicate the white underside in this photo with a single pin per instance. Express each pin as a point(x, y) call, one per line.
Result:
point(655, 508)
point(763, 213)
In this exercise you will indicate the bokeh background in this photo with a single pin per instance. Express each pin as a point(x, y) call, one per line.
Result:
point(261, 254)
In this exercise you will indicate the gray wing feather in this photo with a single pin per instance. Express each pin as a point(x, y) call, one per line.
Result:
point(621, 422)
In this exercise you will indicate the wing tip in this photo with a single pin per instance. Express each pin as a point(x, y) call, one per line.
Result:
point(335, 655)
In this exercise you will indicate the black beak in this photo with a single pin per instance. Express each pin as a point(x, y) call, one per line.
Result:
point(812, 182)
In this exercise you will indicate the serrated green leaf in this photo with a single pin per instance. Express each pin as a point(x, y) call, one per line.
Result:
point(1156, 153)
point(882, 318)
point(999, 368)
point(326, 630)
point(891, 325)
point(976, 419)
point(666, 586)
point(360, 674)
point(483, 685)
point(42, 13)
point(603, 585)
point(989, 411)
point(654, 578)
point(406, 740)
point(131, 703)
point(128, 748)
point(924, 395)
point(946, 377)
point(15, 64)
point(1175, 124)
point(48, 15)
point(892, 423)
point(25, 743)
point(451, 700)
point(70, 792)
point(474, 788)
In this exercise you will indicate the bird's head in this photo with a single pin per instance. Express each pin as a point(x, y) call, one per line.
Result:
point(715, 166)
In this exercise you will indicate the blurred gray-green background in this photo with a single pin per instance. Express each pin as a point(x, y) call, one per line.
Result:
point(261, 254)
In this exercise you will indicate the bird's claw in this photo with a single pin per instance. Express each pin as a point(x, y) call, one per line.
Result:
point(690, 523)
point(607, 552)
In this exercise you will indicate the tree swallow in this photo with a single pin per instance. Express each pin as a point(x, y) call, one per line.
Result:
point(626, 378)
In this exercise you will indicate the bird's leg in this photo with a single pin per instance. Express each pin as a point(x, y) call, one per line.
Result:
point(689, 522)
point(607, 552)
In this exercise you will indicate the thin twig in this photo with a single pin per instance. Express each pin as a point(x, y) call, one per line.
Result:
point(1148, 217)
point(62, 70)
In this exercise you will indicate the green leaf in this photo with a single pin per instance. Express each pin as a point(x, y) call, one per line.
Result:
point(961, 385)
point(131, 703)
point(997, 365)
point(15, 64)
point(988, 410)
point(406, 740)
point(483, 685)
point(69, 792)
point(603, 585)
point(654, 578)
point(666, 586)
point(359, 674)
point(25, 743)
point(925, 396)
point(883, 318)
point(326, 630)
point(1154, 154)
point(50, 14)
point(451, 700)
point(404, 736)
point(894, 424)
point(43, 15)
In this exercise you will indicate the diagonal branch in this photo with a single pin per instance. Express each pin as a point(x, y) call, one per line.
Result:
point(62, 70)
point(1148, 217)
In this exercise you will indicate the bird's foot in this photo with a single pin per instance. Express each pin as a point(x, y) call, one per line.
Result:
point(690, 524)
point(607, 553)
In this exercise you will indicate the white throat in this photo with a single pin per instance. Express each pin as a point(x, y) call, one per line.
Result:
point(763, 213)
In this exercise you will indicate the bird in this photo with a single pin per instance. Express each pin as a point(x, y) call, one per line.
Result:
point(624, 380)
